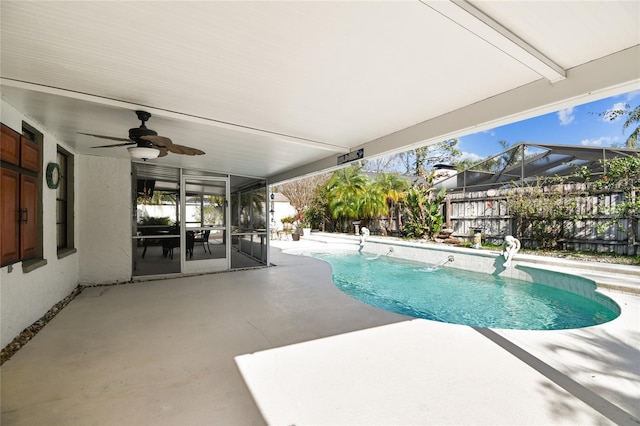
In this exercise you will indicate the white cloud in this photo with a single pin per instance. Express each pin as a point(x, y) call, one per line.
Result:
point(471, 156)
point(566, 116)
point(609, 115)
point(601, 141)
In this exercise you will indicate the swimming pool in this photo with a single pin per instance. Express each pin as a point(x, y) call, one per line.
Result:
point(457, 296)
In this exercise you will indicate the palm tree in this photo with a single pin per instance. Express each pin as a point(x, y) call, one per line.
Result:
point(371, 204)
point(394, 189)
point(633, 116)
point(345, 189)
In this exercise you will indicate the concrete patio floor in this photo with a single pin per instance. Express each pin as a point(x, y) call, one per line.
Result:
point(283, 345)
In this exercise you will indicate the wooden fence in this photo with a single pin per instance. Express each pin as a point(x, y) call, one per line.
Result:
point(488, 212)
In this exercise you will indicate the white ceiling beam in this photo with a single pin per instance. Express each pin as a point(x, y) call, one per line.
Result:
point(173, 115)
point(482, 25)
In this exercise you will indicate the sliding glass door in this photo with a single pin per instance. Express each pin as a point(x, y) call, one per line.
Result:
point(156, 221)
point(205, 228)
point(194, 221)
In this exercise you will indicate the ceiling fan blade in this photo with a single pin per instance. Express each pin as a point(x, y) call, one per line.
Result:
point(113, 138)
point(185, 150)
point(176, 149)
point(159, 141)
point(115, 144)
point(163, 152)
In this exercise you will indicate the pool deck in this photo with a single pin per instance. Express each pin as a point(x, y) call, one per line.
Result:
point(284, 346)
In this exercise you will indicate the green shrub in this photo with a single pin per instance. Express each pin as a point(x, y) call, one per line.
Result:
point(147, 221)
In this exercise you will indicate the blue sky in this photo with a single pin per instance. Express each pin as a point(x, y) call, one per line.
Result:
point(581, 125)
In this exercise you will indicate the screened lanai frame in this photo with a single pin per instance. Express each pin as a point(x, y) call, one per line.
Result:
point(246, 195)
point(528, 162)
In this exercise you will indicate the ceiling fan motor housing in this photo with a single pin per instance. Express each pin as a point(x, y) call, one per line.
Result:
point(137, 132)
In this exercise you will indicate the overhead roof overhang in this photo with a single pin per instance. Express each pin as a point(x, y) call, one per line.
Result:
point(282, 89)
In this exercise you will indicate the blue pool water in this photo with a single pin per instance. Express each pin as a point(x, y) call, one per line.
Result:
point(462, 297)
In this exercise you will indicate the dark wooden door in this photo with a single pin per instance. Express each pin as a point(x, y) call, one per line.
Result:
point(9, 216)
point(19, 195)
point(29, 222)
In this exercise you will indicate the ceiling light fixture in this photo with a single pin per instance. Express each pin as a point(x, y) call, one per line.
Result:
point(143, 153)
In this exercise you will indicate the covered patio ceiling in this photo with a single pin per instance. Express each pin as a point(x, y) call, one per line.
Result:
point(281, 89)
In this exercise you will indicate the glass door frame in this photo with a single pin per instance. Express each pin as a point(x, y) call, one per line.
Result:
point(213, 265)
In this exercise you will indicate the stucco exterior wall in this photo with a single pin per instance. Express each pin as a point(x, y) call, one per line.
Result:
point(25, 297)
point(105, 244)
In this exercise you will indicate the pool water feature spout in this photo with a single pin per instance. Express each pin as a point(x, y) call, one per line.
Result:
point(364, 235)
point(449, 259)
point(510, 247)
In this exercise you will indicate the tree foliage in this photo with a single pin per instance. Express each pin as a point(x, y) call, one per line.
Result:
point(423, 209)
point(541, 209)
point(302, 192)
point(345, 188)
point(631, 118)
point(158, 198)
point(351, 195)
point(621, 174)
point(394, 189)
point(420, 160)
point(212, 211)
point(317, 215)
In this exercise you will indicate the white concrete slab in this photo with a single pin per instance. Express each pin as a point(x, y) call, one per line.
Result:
point(603, 358)
point(415, 372)
point(163, 352)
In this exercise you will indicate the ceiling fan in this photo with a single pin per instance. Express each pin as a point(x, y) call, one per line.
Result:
point(147, 143)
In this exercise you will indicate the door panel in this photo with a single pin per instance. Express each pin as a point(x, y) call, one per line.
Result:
point(29, 155)
point(10, 146)
point(156, 233)
point(205, 212)
point(29, 223)
point(9, 216)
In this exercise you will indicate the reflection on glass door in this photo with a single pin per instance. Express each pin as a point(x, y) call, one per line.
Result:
point(156, 224)
point(205, 224)
point(249, 228)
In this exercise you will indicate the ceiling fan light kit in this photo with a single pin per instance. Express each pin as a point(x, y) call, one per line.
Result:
point(143, 153)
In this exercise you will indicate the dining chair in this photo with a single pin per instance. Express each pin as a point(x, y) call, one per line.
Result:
point(191, 236)
point(203, 237)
